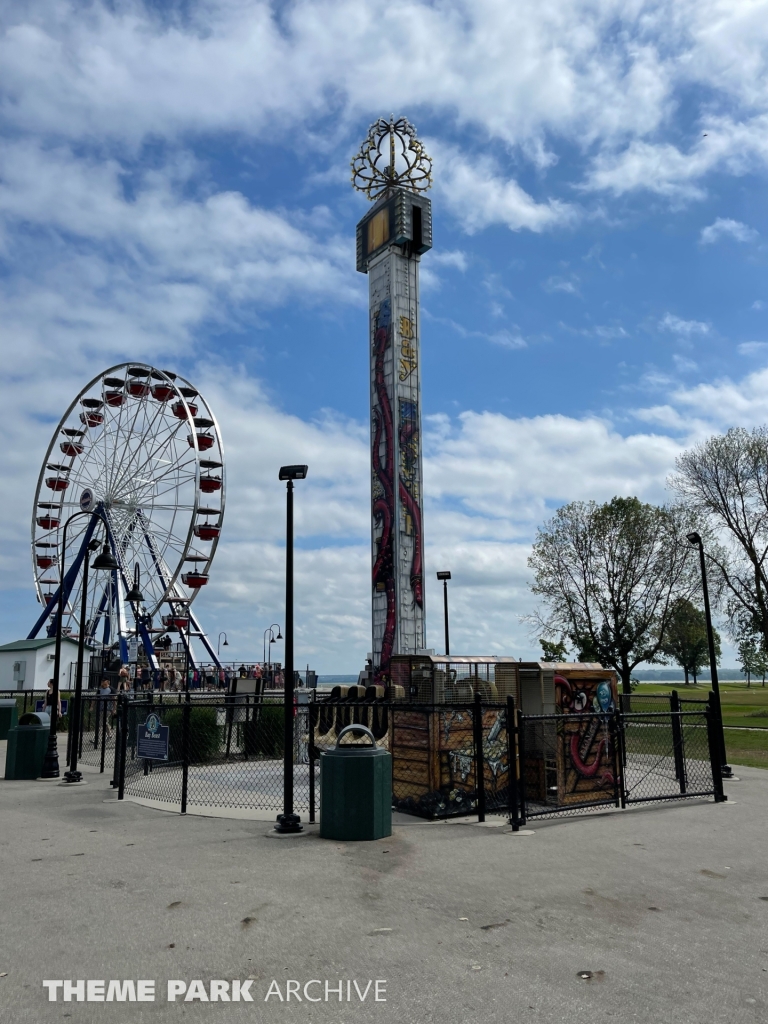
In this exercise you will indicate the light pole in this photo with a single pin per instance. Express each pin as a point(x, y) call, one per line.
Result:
point(51, 761)
point(696, 541)
point(445, 576)
point(107, 561)
point(135, 597)
point(268, 652)
point(226, 642)
point(288, 821)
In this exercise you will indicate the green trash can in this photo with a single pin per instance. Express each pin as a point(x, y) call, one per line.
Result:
point(9, 717)
point(355, 790)
point(27, 744)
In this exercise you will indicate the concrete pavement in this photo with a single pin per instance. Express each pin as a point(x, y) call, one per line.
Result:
point(663, 909)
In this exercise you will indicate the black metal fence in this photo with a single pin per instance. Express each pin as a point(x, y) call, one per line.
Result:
point(97, 733)
point(224, 752)
point(572, 764)
point(478, 758)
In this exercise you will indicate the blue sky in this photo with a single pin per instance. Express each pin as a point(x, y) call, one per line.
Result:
point(174, 187)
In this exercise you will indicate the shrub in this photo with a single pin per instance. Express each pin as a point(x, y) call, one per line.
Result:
point(263, 734)
point(204, 733)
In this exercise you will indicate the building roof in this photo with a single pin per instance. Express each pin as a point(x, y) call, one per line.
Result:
point(34, 645)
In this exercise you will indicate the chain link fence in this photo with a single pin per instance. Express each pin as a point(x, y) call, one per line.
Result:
point(227, 752)
point(577, 763)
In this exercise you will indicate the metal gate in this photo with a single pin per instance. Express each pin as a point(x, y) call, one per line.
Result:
point(576, 763)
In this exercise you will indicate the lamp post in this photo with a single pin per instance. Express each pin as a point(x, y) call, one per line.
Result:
point(267, 652)
point(106, 560)
point(51, 761)
point(135, 598)
point(445, 576)
point(696, 541)
point(288, 821)
point(226, 642)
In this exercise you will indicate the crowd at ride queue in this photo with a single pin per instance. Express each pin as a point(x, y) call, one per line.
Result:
point(203, 678)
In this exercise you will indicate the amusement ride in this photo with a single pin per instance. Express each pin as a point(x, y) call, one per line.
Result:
point(136, 463)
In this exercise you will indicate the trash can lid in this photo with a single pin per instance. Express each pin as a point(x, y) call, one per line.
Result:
point(36, 718)
point(7, 703)
point(356, 749)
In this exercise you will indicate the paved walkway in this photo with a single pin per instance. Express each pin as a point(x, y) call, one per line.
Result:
point(666, 906)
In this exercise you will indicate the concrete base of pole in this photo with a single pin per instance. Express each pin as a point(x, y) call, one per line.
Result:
point(288, 824)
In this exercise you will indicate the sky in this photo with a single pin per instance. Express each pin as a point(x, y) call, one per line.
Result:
point(174, 188)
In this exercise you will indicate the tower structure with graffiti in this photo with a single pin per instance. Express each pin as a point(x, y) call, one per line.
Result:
point(393, 171)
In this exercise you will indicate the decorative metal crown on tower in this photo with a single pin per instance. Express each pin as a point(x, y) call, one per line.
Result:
point(375, 168)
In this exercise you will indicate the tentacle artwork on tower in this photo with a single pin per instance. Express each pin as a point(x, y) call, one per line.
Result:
point(390, 241)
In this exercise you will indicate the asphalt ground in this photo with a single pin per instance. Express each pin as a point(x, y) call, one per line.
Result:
point(657, 914)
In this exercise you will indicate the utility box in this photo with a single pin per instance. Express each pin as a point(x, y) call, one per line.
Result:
point(27, 744)
point(9, 717)
point(356, 789)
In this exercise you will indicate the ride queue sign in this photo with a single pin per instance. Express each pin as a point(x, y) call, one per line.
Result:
point(152, 739)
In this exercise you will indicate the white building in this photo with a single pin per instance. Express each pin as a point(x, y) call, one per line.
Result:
point(28, 664)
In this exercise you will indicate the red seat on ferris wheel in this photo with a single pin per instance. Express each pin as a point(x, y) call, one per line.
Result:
point(209, 484)
point(72, 448)
point(207, 531)
point(180, 412)
point(194, 579)
point(204, 441)
point(114, 398)
point(56, 483)
point(44, 561)
point(91, 419)
point(47, 522)
point(138, 388)
point(163, 392)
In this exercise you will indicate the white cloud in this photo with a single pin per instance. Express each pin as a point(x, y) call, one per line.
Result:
point(479, 196)
point(753, 348)
point(683, 328)
point(724, 227)
point(562, 284)
point(454, 258)
point(92, 269)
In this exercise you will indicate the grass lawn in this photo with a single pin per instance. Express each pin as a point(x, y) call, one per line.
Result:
point(743, 707)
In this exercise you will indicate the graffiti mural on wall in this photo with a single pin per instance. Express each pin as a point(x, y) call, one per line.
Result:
point(586, 758)
point(409, 491)
point(434, 761)
point(383, 492)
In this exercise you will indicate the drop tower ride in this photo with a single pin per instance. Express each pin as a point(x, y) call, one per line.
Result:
point(393, 171)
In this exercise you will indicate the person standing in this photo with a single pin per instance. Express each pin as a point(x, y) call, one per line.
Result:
point(47, 707)
point(105, 691)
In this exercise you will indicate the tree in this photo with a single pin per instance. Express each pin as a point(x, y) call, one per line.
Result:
point(724, 484)
point(551, 651)
point(761, 663)
point(750, 648)
point(685, 638)
point(609, 575)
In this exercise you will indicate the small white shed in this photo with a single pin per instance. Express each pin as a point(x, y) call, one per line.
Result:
point(28, 664)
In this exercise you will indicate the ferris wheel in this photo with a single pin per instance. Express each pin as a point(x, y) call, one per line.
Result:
point(140, 449)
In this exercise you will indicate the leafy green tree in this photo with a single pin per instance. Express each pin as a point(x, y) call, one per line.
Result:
point(748, 645)
point(551, 651)
point(724, 483)
point(685, 639)
point(609, 575)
